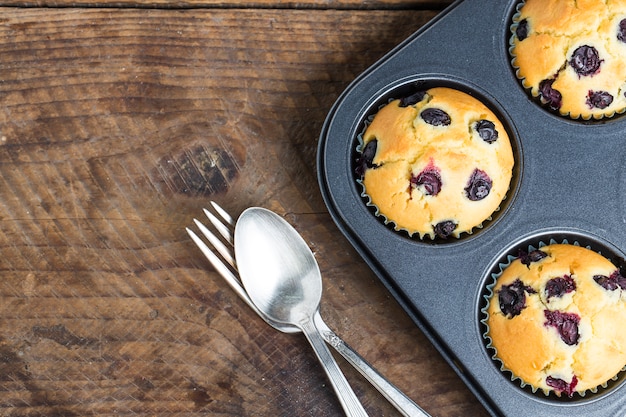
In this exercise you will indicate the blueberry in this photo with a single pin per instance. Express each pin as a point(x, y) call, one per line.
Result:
point(522, 30)
point(412, 99)
point(486, 130)
point(512, 298)
point(435, 117)
point(479, 185)
point(606, 282)
point(561, 386)
point(445, 228)
point(549, 95)
point(585, 60)
point(565, 323)
point(599, 99)
point(621, 31)
point(430, 179)
point(365, 160)
point(558, 287)
point(611, 283)
point(534, 256)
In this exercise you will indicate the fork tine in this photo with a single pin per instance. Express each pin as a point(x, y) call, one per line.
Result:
point(222, 269)
point(219, 226)
point(223, 213)
point(217, 244)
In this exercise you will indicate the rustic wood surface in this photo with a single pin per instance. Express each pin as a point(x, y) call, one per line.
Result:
point(117, 126)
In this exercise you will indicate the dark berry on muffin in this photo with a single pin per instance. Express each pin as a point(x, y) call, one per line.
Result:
point(429, 179)
point(549, 95)
point(479, 185)
point(566, 325)
point(365, 160)
point(486, 130)
point(586, 61)
point(522, 30)
point(527, 258)
point(512, 298)
point(435, 117)
point(612, 282)
point(412, 99)
point(599, 99)
point(561, 386)
point(559, 286)
point(621, 31)
point(445, 228)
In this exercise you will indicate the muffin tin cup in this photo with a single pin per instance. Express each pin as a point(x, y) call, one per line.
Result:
point(570, 178)
point(528, 245)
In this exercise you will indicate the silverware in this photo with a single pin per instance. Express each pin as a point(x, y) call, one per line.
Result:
point(282, 278)
point(225, 265)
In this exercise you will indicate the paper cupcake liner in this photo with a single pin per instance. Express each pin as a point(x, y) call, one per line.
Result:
point(534, 93)
point(488, 295)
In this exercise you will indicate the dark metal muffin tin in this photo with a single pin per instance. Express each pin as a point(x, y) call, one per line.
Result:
point(569, 183)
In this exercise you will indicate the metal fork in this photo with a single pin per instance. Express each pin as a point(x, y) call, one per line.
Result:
point(226, 266)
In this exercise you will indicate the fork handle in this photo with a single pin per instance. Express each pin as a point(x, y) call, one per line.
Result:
point(397, 398)
point(348, 399)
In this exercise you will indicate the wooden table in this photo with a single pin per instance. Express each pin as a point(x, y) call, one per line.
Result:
point(119, 121)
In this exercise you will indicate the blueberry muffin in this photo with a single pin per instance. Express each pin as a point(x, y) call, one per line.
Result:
point(437, 163)
point(571, 55)
point(556, 317)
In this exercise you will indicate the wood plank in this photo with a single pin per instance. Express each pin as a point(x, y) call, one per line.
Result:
point(116, 127)
point(241, 4)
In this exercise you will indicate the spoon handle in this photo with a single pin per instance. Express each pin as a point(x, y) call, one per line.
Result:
point(396, 397)
point(348, 399)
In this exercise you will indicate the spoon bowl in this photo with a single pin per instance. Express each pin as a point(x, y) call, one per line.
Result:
point(291, 287)
point(283, 280)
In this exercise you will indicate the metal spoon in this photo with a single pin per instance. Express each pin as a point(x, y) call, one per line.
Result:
point(282, 278)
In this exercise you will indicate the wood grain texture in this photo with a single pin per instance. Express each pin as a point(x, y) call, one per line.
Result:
point(116, 128)
point(426, 5)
